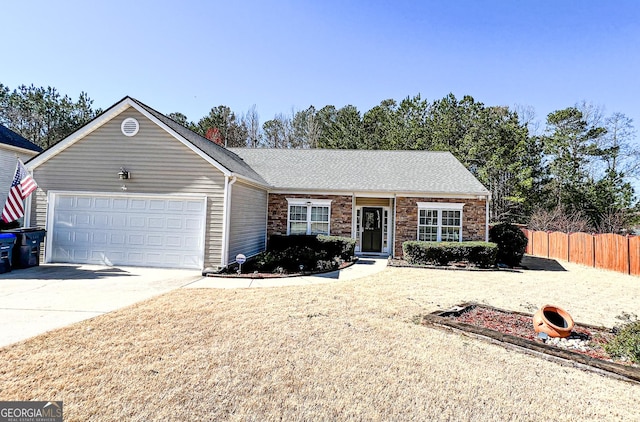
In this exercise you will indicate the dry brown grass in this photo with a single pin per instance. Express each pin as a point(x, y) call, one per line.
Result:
point(341, 351)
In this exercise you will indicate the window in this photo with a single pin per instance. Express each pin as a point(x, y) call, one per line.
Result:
point(440, 222)
point(308, 216)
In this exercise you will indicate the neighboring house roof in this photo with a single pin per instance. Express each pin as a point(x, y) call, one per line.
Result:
point(362, 170)
point(224, 159)
point(9, 137)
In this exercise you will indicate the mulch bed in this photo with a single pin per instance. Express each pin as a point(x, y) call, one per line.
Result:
point(516, 329)
point(259, 275)
point(464, 266)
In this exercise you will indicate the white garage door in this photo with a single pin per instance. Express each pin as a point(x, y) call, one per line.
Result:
point(127, 230)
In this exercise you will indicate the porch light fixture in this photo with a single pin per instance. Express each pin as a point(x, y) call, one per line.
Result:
point(309, 203)
point(123, 174)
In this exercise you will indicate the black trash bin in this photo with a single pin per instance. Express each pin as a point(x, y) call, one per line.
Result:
point(26, 251)
point(7, 241)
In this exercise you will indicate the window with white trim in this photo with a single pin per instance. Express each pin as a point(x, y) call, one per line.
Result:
point(308, 216)
point(440, 221)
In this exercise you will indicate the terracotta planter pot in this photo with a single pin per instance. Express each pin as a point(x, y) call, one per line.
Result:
point(554, 321)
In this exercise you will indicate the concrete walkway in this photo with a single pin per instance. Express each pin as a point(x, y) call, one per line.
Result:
point(38, 299)
point(362, 268)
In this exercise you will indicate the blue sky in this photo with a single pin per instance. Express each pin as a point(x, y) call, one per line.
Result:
point(190, 55)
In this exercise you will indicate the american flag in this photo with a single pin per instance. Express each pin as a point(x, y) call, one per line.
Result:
point(21, 187)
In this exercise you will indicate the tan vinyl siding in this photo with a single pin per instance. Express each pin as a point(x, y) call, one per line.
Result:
point(248, 220)
point(158, 163)
point(8, 160)
point(373, 202)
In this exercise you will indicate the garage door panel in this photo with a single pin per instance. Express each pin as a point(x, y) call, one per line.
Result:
point(174, 223)
point(102, 204)
point(119, 204)
point(156, 222)
point(100, 238)
point(84, 204)
point(117, 239)
point(135, 221)
point(163, 232)
point(175, 205)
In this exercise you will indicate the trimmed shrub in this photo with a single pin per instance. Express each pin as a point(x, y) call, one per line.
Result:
point(281, 242)
point(626, 343)
point(338, 246)
point(312, 253)
point(511, 242)
point(481, 254)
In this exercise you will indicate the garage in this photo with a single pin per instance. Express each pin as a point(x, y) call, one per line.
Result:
point(127, 230)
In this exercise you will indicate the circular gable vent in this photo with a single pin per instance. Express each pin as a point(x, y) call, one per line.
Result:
point(130, 126)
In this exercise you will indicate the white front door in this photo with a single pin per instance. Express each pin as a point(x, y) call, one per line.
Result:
point(112, 229)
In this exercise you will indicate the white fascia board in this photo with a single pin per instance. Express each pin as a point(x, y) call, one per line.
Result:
point(24, 151)
point(193, 148)
point(111, 114)
point(186, 143)
point(442, 205)
point(304, 201)
point(386, 194)
point(251, 182)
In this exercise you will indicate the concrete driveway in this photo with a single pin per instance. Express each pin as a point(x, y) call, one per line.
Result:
point(39, 299)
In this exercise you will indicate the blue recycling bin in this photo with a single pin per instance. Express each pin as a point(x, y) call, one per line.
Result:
point(26, 251)
point(7, 240)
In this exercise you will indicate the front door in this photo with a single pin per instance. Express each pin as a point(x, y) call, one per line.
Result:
point(371, 229)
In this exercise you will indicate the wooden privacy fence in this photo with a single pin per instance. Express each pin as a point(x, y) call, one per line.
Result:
point(608, 251)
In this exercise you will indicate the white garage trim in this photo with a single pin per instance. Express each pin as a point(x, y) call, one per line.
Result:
point(143, 240)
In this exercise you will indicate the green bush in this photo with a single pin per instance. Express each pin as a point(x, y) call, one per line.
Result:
point(312, 253)
point(337, 246)
point(511, 242)
point(481, 254)
point(626, 343)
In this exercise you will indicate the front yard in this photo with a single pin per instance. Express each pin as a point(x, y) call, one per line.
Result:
point(340, 351)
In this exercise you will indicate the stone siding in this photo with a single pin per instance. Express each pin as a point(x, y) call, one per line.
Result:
point(340, 218)
point(473, 219)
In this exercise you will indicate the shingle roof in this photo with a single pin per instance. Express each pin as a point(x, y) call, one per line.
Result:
point(221, 155)
point(362, 170)
point(9, 137)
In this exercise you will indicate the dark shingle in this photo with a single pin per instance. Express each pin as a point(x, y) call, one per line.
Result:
point(221, 155)
point(9, 137)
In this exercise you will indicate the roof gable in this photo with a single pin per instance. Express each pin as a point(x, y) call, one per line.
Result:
point(425, 172)
point(219, 157)
point(9, 137)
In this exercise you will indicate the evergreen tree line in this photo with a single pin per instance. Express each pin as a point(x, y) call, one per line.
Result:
point(574, 174)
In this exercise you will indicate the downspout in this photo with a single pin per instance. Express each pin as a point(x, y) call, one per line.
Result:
point(226, 219)
point(486, 222)
point(354, 235)
point(27, 211)
point(395, 223)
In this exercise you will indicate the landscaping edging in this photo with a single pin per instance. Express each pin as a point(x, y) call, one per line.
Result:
point(260, 276)
point(439, 320)
point(400, 263)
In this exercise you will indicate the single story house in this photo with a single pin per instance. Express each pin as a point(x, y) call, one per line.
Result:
point(12, 147)
point(133, 187)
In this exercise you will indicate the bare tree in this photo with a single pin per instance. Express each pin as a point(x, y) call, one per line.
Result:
point(624, 157)
point(559, 219)
point(614, 221)
point(278, 132)
point(251, 121)
point(528, 118)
